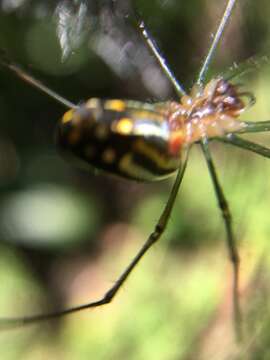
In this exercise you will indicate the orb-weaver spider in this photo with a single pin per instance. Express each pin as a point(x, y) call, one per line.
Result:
point(146, 142)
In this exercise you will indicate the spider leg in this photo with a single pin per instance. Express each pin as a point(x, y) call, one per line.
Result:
point(25, 76)
point(231, 243)
point(246, 144)
point(6, 323)
point(140, 25)
point(218, 34)
point(254, 126)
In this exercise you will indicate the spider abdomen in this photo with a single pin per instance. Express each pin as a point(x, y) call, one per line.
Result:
point(125, 138)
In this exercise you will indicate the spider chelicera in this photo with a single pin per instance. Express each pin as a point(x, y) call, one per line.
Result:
point(148, 142)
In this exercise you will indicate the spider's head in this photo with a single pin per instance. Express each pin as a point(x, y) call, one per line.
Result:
point(226, 97)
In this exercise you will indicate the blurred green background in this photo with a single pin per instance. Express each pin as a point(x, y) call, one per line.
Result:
point(66, 235)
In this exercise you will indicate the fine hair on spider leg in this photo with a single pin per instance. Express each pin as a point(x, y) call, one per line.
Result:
point(209, 113)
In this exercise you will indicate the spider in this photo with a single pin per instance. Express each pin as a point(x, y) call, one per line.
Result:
point(149, 142)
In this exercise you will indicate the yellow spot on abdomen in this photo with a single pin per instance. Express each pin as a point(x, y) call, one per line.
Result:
point(123, 126)
point(67, 116)
point(115, 105)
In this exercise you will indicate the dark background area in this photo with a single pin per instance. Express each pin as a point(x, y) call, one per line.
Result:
point(65, 235)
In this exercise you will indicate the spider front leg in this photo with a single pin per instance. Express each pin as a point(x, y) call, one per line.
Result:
point(111, 293)
point(246, 145)
point(231, 243)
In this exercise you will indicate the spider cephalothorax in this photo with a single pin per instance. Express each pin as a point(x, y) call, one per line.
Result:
point(210, 111)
